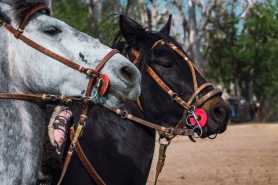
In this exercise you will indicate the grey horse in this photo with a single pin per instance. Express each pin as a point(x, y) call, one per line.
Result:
point(23, 69)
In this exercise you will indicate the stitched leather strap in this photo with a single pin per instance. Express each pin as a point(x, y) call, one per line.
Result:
point(51, 54)
point(157, 127)
point(98, 68)
point(167, 89)
point(40, 98)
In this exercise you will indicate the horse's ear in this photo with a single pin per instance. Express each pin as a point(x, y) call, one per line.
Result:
point(130, 29)
point(49, 4)
point(167, 27)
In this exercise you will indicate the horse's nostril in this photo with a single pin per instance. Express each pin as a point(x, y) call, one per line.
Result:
point(128, 73)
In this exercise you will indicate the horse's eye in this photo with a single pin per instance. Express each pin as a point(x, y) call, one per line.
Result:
point(52, 30)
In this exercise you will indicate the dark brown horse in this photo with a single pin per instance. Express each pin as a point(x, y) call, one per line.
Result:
point(121, 150)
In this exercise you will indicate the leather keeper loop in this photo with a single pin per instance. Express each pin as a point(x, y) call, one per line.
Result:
point(18, 33)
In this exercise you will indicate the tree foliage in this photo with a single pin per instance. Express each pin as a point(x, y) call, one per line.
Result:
point(244, 60)
point(73, 12)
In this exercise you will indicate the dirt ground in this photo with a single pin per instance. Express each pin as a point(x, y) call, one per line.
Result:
point(244, 155)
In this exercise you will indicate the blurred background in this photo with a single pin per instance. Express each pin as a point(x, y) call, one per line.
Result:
point(235, 42)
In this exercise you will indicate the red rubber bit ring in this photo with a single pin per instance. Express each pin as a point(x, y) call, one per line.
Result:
point(202, 117)
point(104, 85)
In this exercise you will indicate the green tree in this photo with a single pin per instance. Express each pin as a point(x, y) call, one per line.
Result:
point(247, 58)
point(74, 12)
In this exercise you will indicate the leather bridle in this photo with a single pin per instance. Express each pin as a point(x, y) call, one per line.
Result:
point(195, 99)
point(94, 75)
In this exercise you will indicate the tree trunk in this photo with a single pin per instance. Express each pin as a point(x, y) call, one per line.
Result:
point(193, 40)
point(95, 8)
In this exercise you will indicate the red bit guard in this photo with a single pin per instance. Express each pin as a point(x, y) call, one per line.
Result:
point(201, 115)
point(103, 89)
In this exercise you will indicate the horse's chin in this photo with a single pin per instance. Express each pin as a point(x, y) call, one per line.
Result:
point(117, 99)
point(210, 133)
point(113, 101)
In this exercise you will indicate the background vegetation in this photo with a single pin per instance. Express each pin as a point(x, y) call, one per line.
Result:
point(235, 42)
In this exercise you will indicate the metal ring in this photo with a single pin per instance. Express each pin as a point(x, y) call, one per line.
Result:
point(124, 114)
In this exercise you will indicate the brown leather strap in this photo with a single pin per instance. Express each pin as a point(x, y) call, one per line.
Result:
point(71, 149)
point(98, 68)
point(85, 107)
point(197, 92)
point(157, 127)
point(40, 98)
point(166, 88)
point(106, 58)
point(207, 96)
point(86, 163)
point(193, 69)
point(161, 159)
point(32, 11)
point(135, 56)
point(51, 54)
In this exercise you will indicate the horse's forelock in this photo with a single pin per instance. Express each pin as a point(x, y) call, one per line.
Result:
point(22, 7)
point(4, 17)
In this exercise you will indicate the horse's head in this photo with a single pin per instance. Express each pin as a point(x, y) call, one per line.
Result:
point(36, 72)
point(144, 47)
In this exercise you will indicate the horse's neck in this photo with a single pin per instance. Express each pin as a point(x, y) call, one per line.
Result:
point(122, 142)
point(21, 130)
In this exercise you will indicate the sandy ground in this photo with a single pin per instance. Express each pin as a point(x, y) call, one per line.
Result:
point(243, 155)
